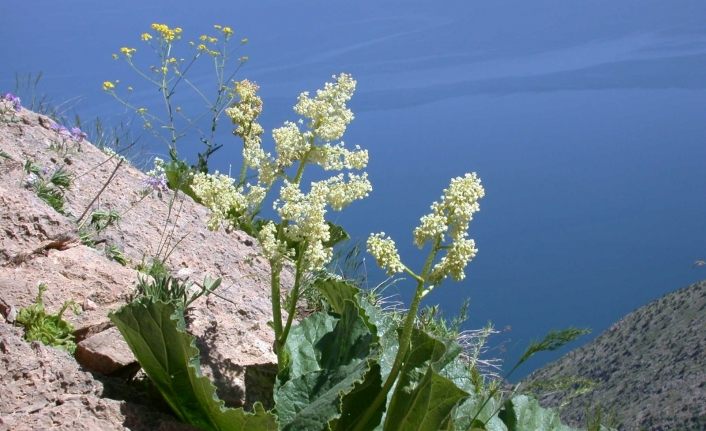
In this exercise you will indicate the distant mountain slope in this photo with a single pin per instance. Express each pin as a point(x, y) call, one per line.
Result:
point(649, 368)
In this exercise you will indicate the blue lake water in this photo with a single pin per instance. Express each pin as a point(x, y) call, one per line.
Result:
point(585, 120)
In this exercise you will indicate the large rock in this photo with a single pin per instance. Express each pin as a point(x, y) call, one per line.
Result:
point(39, 245)
point(44, 388)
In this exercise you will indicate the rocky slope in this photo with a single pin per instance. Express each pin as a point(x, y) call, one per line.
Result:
point(44, 387)
point(649, 368)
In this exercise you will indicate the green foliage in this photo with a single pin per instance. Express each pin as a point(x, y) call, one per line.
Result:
point(572, 386)
point(525, 413)
point(179, 177)
point(50, 189)
point(50, 329)
point(328, 357)
point(179, 293)
point(102, 219)
point(155, 332)
point(552, 341)
point(114, 253)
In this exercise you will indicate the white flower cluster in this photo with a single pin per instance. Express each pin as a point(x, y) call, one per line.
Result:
point(384, 250)
point(291, 144)
point(274, 250)
point(327, 112)
point(219, 194)
point(337, 157)
point(305, 213)
point(451, 216)
point(302, 213)
point(244, 114)
point(227, 202)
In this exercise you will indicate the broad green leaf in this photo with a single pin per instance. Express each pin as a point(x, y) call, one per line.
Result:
point(337, 292)
point(304, 356)
point(417, 382)
point(330, 368)
point(387, 336)
point(167, 354)
point(355, 403)
point(428, 406)
point(522, 413)
point(336, 234)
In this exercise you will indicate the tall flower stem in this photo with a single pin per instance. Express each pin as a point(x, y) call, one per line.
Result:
point(405, 339)
point(277, 316)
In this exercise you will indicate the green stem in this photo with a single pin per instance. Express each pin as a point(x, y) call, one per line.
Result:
point(405, 338)
point(277, 314)
point(294, 297)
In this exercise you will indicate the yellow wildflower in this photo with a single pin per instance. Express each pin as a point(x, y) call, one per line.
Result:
point(227, 32)
point(141, 111)
point(212, 39)
point(168, 34)
point(203, 38)
point(145, 37)
point(202, 47)
point(108, 86)
point(127, 52)
point(217, 27)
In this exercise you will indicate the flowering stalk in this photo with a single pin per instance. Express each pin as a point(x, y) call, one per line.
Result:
point(302, 236)
point(446, 229)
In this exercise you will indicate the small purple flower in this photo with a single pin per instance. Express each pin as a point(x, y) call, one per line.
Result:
point(63, 131)
point(16, 102)
point(157, 183)
point(78, 134)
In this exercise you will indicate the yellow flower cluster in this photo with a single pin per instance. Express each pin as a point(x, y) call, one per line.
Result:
point(145, 37)
point(227, 31)
point(127, 52)
point(108, 86)
point(207, 38)
point(166, 33)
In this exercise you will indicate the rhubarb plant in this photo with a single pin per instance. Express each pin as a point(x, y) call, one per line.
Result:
point(352, 367)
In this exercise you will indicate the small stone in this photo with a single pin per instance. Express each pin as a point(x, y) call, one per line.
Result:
point(106, 352)
point(89, 305)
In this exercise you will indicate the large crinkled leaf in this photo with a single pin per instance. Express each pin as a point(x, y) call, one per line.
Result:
point(465, 412)
point(356, 402)
point(387, 335)
point(301, 345)
point(336, 292)
point(169, 357)
point(522, 413)
point(311, 397)
point(458, 372)
point(416, 384)
point(428, 407)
